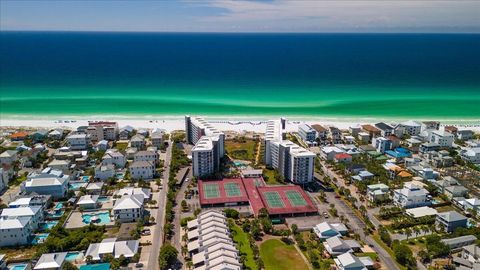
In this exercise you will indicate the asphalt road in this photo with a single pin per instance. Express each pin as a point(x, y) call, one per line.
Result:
point(158, 231)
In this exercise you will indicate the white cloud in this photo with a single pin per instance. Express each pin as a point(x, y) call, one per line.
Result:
point(345, 14)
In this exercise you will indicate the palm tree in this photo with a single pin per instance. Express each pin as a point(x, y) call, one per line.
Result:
point(408, 232)
point(416, 230)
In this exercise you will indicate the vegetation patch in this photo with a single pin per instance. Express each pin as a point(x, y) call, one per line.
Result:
point(241, 148)
point(278, 255)
point(243, 245)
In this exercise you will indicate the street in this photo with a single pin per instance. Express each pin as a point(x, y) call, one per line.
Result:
point(158, 231)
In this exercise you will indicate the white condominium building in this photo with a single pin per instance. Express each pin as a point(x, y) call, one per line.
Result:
point(292, 161)
point(209, 146)
point(307, 133)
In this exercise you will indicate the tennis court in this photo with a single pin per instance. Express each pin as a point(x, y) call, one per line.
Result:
point(295, 198)
point(273, 199)
point(211, 191)
point(232, 189)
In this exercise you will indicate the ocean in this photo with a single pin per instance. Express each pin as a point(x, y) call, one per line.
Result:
point(418, 76)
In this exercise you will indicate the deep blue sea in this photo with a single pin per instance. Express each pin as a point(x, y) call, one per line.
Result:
point(339, 75)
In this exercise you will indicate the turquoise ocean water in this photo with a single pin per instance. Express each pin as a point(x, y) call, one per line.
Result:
point(51, 74)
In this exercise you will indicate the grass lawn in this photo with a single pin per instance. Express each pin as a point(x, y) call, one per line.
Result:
point(241, 238)
point(269, 177)
point(19, 253)
point(244, 150)
point(278, 255)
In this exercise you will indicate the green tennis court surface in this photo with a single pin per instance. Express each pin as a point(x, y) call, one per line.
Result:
point(295, 198)
point(211, 191)
point(232, 190)
point(273, 199)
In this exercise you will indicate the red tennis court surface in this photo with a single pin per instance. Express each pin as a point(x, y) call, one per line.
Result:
point(229, 191)
point(285, 200)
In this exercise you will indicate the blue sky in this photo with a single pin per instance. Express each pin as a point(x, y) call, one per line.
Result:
point(241, 15)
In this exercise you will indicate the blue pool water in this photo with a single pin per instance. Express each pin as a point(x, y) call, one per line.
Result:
point(48, 225)
point(104, 218)
point(103, 199)
point(119, 175)
point(76, 185)
point(39, 238)
point(72, 256)
point(85, 178)
point(18, 267)
point(59, 205)
point(57, 214)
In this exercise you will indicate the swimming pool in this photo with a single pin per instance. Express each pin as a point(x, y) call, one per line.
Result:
point(119, 175)
point(48, 225)
point(21, 266)
point(103, 199)
point(76, 185)
point(59, 205)
point(239, 164)
point(103, 218)
point(72, 256)
point(39, 238)
point(56, 214)
point(85, 178)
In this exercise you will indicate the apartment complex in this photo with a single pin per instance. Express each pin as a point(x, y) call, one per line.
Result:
point(102, 130)
point(209, 146)
point(292, 161)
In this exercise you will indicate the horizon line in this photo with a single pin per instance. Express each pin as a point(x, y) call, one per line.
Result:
point(223, 32)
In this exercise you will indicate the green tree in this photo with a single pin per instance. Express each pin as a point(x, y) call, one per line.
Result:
point(167, 256)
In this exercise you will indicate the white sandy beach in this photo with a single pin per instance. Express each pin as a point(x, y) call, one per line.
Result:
point(255, 124)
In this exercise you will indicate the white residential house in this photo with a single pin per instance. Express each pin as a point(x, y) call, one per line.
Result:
point(102, 145)
point(348, 261)
point(60, 165)
point(57, 187)
point(382, 144)
point(326, 230)
point(129, 208)
point(307, 133)
point(329, 152)
point(465, 134)
point(411, 128)
point(56, 134)
point(442, 138)
point(363, 137)
point(112, 247)
point(377, 192)
point(88, 202)
point(15, 232)
point(410, 196)
point(142, 170)
point(7, 157)
point(114, 157)
point(385, 129)
point(472, 155)
point(34, 213)
point(157, 138)
point(336, 246)
point(138, 141)
point(145, 192)
point(150, 156)
point(103, 172)
point(51, 261)
point(78, 141)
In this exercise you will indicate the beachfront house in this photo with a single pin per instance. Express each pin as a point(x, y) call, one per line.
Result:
point(442, 138)
point(129, 208)
point(410, 196)
point(307, 133)
point(111, 246)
